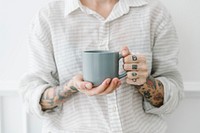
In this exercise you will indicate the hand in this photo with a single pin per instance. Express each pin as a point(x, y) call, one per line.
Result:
point(136, 67)
point(108, 86)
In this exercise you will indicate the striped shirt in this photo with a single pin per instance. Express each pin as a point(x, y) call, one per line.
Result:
point(62, 29)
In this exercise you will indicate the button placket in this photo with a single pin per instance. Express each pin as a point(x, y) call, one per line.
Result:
point(107, 35)
point(115, 122)
point(104, 36)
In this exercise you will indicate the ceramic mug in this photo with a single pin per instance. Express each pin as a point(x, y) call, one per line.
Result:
point(101, 64)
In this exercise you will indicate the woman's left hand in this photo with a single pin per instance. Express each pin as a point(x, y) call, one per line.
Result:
point(136, 67)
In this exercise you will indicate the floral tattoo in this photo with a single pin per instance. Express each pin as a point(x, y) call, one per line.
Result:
point(54, 96)
point(153, 91)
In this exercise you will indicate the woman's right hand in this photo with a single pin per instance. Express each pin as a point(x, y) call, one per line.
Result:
point(108, 86)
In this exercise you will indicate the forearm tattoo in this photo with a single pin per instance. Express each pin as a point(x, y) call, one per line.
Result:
point(153, 91)
point(54, 96)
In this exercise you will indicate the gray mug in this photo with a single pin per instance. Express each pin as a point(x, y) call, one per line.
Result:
point(99, 65)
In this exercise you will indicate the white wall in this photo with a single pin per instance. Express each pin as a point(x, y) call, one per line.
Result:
point(15, 17)
point(14, 20)
point(186, 16)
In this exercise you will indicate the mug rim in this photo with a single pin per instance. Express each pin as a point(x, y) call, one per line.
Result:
point(99, 52)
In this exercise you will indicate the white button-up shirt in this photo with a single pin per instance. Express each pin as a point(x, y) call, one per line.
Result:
point(61, 30)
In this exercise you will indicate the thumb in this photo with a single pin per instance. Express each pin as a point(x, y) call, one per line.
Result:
point(81, 84)
point(125, 51)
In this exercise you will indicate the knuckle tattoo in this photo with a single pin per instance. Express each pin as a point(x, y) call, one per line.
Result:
point(134, 58)
point(134, 67)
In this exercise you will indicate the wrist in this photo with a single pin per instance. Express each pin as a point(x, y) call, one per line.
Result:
point(152, 91)
point(70, 86)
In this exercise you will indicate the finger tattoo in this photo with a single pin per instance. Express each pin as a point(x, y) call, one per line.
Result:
point(134, 57)
point(134, 67)
point(73, 88)
point(134, 80)
point(134, 74)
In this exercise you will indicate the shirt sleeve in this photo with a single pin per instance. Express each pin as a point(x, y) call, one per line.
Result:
point(164, 67)
point(42, 72)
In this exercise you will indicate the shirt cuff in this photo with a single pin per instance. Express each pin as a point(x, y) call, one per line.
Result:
point(149, 108)
point(37, 108)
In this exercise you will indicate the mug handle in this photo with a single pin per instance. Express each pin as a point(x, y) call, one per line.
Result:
point(124, 73)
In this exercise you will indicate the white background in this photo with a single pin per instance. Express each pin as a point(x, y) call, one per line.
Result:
point(15, 16)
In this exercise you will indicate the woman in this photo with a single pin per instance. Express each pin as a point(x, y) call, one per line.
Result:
point(54, 89)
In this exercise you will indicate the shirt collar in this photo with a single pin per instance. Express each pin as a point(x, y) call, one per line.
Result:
point(135, 3)
point(72, 5)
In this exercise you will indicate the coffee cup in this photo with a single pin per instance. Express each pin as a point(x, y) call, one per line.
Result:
point(99, 65)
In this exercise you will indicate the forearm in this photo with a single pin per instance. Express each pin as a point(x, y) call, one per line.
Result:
point(57, 95)
point(153, 91)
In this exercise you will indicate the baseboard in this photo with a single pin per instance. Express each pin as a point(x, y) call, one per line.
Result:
point(192, 89)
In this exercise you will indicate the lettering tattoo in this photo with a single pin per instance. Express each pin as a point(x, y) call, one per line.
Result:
point(153, 91)
point(55, 96)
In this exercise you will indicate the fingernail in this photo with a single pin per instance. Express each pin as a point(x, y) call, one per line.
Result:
point(119, 83)
point(108, 81)
point(88, 86)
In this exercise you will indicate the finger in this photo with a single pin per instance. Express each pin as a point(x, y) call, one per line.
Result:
point(100, 88)
point(137, 74)
point(125, 51)
point(135, 66)
point(118, 85)
point(137, 81)
point(113, 85)
point(132, 74)
point(134, 58)
point(80, 84)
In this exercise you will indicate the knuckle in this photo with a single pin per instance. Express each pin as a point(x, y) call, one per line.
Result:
point(129, 57)
point(142, 67)
point(146, 75)
point(126, 67)
point(128, 74)
point(127, 81)
point(82, 86)
point(125, 59)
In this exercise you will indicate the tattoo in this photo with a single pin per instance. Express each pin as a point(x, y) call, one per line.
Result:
point(73, 88)
point(160, 84)
point(153, 91)
point(151, 82)
point(147, 94)
point(134, 74)
point(134, 58)
point(134, 66)
point(55, 96)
